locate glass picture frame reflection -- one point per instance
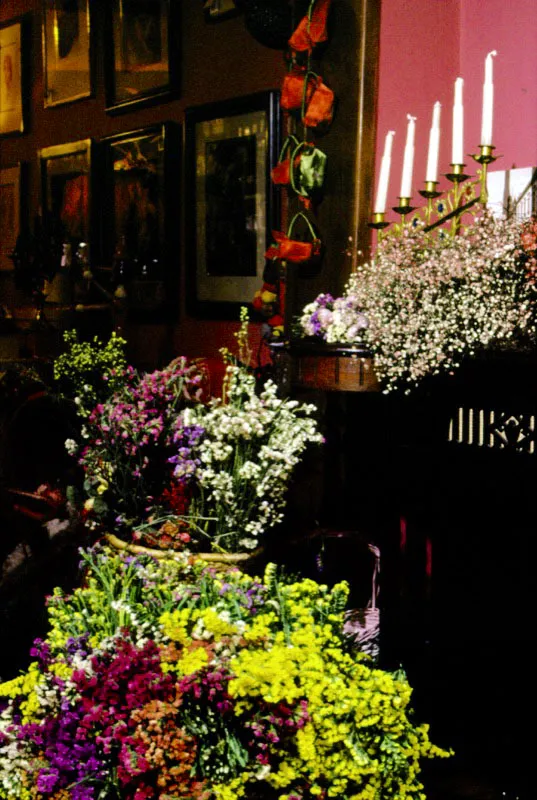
(143, 52)
(66, 51)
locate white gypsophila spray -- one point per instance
(431, 300)
(251, 445)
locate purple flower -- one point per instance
(47, 780)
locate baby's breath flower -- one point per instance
(425, 301)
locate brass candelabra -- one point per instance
(442, 207)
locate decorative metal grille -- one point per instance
(501, 430)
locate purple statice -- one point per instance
(319, 316)
(89, 739)
(325, 300)
(185, 439)
(252, 599)
(72, 758)
(77, 645)
(41, 652)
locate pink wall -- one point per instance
(424, 46)
(419, 61)
(511, 29)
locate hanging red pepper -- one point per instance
(311, 29)
(287, 249)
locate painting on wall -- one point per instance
(140, 243)
(66, 193)
(10, 213)
(143, 37)
(230, 149)
(66, 51)
(11, 100)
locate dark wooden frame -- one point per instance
(22, 34)
(75, 77)
(220, 296)
(158, 293)
(137, 94)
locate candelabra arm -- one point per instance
(454, 215)
(430, 193)
(484, 158)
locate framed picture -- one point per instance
(66, 193)
(144, 40)
(230, 150)
(140, 236)
(11, 80)
(66, 51)
(217, 10)
(10, 213)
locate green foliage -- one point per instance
(90, 372)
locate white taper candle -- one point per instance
(384, 175)
(431, 173)
(408, 160)
(488, 100)
(457, 153)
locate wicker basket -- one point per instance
(223, 561)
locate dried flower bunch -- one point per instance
(166, 466)
(157, 681)
(424, 302)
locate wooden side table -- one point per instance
(327, 367)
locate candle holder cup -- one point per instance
(486, 154)
(378, 222)
(457, 174)
(430, 193)
(404, 206)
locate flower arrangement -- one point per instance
(164, 465)
(244, 459)
(424, 302)
(167, 680)
(128, 442)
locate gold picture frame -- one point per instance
(66, 51)
(11, 102)
(10, 213)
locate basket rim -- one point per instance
(138, 549)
